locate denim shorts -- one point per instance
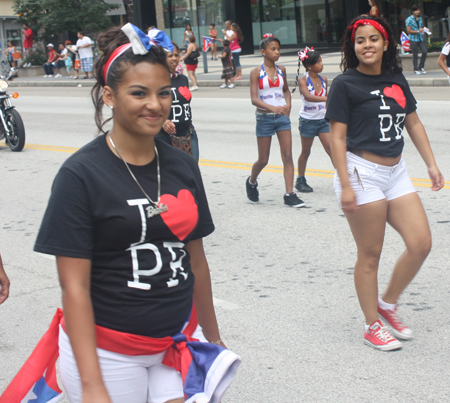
(372, 182)
(267, 124)
(312, 127)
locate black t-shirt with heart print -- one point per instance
(141, 279)
(180, 113)
(374, 108)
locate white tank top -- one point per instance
(271, 92)
(314, 110)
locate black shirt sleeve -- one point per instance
(67, 220)
(339, 103)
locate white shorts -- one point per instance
(128, 379)
(372, 182)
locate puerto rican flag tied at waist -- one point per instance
(207, 370)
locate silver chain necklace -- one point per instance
(275, 76)
(154, 208)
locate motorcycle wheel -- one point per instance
(16, 140)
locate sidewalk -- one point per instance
(331, 61)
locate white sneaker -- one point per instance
(70, 76)
(423, 71)
(195, 88)
(50, 75)
(231, 86)
(417, 72)
(223, 86)
(58, 75)
(45, 76)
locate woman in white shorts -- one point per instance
(125, 219)
(368, 106)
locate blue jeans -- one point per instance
(48, 68)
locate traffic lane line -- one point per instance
(419, 182)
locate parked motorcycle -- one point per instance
(12, 128)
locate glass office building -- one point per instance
(312, 22)
(318, 23)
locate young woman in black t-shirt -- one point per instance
(368, 106)
(178, 129)
(125, 220)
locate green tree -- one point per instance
(58, 16)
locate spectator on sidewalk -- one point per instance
(10, 53)
(227, 72)
(60, 63)
(236, 38)
(227, 31)
(53, 56)
(190, 59)
(415, 27)
(84, 45)
(27, 40)
(73, 54)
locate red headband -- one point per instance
(114, 55)
(374, 24)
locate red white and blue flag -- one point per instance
(404, 40)
(36, 380)
(207, 43)
(207, 370)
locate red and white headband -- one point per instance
(374, 24)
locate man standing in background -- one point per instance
(27, 40)
(84, 45)
(414, 26)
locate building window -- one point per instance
(278, 18)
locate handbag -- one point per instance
(77, 63)
(183, 143)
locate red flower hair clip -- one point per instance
(303, 54)
(267, 36)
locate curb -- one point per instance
(413, 82)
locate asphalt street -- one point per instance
(282, 277)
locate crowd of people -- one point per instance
(127, 212)
(77, 57)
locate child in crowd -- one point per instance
(272, 98)
(227, 73)
(312, 123)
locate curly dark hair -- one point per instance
(107, 43)
(391, 59)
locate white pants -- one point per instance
(128, 379)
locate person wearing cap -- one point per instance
(53, 56)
